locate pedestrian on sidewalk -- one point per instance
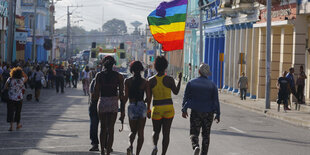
(284, 89)
(163, 110)
(94, 119)
(301, 85)
(290, 76)
(86, 80)
(50, 77)
(135, 87)
(68, 77)
(16, 88)
(243, 85)
(37, 77)
(109, 87)
(75, 76)
(201, 96)
(60, 77)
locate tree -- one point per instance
(114, 27)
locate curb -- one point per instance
(270, 114)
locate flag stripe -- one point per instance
(173, 45)
(167, 20)
(163, 37)
(171, 11)
(173, 27)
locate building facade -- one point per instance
(42, 27)
(3, 28)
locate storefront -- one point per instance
(3, 28)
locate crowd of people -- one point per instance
(109, 87)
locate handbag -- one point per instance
(5, 93)
(43, 82)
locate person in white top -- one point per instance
(86, 80)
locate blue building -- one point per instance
(214, 30)
(42, 27)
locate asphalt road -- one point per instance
(59, 124)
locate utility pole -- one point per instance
(34, 27)
(69, 50)
(268, 54)
(11, 30)
(68, 31)
(52, 30)
(201, 35)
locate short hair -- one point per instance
(161, 63)
(292, 68)
(16, 73)
(108, 62)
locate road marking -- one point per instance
(237, 129)
(42, 147)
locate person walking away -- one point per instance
(68, 77)
(85, 80)
(290, 76)
(94, 119)
(75, 76)
(243, 85)
(50, 77)
(109, 87)
(60, 75)
(135, 87)
(301, 85)
(201, 96)
(37, 77)
(162, 111)
(16, 89)
(284, 88)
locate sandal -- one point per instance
(129, 151)
(19, 126)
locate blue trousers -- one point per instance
(94, 122)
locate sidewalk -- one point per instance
(299, 118)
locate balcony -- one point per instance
(274, 2)
(243, 4)
(226, 8)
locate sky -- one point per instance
(93, 13)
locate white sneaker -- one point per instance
(196, 150)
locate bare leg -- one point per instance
(166, 134)
(103, 130)
(156, 130)
(133, 128)
(141, 125)
(111, 122)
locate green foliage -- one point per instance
(115, 27)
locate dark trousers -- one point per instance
(300, 93)
(59, 82)
(283, 97)
(94, 122)
(14, 109)
(200, 120)
(243, 92)
(74, 81)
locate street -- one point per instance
(59, 124)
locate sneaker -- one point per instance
(196, 150)
(155, 150)
(286, 108)
(94, 148)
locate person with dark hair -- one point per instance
(68, 77)
(109, 87)
(135, 87)
(16, 89)
(50, 77)
(86, 80)
(163, 110)
(290, 76)
(284, 88)
(75, 76)
(301, 85)
(60, 77)
(37, 77)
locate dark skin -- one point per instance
(137, 126)
(107, 120)
(18, 125)
(164, 124)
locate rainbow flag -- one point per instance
(167, 24)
